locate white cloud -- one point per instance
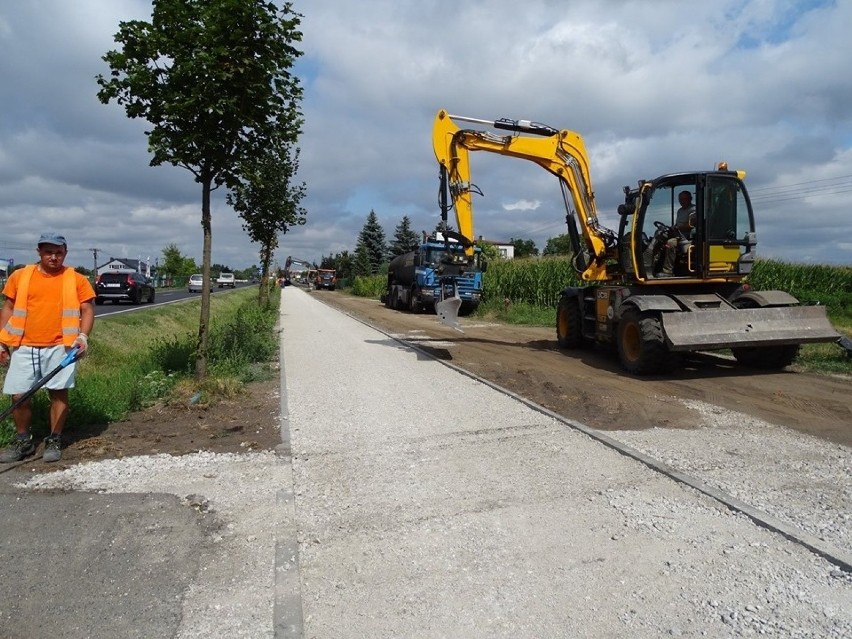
(522, 205)
(652, 86)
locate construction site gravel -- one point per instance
(518, 491)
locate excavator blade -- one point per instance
(448, 310)
(774, 326)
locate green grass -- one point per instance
(137, 359)
(516, 313)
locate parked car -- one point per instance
(196, 283)
(117, 286)
(226, 279)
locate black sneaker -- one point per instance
(52, 448)
(22, 447)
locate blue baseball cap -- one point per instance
(52, 238)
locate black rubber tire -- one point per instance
(569, 318)
(641, 344)
(151, 297)
(767, 357)
(414, 304)
(98, 301)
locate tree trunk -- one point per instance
(265, 259)
(204, 321)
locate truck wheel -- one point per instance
(641, 345)
(568, 323)
(767, 357)
(414, 304)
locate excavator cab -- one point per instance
(711, 237)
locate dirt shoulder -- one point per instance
(243, 423)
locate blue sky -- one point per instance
(653, 87)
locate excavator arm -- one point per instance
(561, 153)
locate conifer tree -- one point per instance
(372, 240)
(404, 239)
(361, 265)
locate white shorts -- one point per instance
(29, 364)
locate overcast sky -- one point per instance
(653, 87)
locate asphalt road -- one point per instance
(161, 297)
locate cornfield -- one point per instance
(801, 280)
(537, 282)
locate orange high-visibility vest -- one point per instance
(13, 332)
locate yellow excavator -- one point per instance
(673, 277)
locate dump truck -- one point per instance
(666, 282)
(325, 278)
(436, 277)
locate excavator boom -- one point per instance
(562, 153)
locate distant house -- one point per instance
(124, 264)
(506, 249)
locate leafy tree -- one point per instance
(559, 245)
(176, 264)
(213, 78)
(267, 201)
(524, 248)
(372, 240)
(489, 250)
(404, 239)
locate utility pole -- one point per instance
(95, 262)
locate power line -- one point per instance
(773, 188)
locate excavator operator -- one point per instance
(684, 224)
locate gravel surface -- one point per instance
(430, 505)
(802, 480)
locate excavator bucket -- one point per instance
(448, 310)
(772, 326)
